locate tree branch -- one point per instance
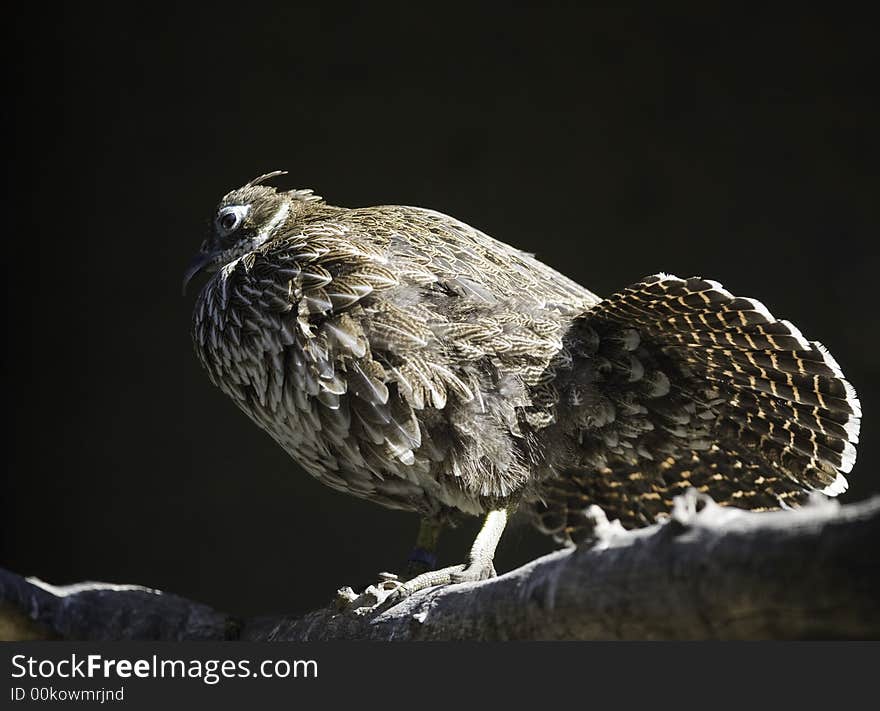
(707, 573)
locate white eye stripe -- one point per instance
(230, 218)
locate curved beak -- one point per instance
(199, 262)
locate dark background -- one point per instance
(615, 144)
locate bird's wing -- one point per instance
(469, 328)
(408, 339)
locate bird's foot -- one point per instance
(372, 598)
(479, 565)
(391, 590)
(470, 573)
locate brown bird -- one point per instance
(402, 356)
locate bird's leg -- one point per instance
(479, 565)
(424, 556)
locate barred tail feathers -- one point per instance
(781, 395)
(694, 387)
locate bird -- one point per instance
(402, 356)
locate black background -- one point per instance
(741, 146)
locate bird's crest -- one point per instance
(260, 179)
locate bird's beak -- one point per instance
(199, 262)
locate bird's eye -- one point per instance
(230, 218)
(228, 221)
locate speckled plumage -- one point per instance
(402, 356)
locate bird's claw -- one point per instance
(373, 597)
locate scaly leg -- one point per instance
(479, 565)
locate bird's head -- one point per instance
(246, 218)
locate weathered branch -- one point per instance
(707, 573)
